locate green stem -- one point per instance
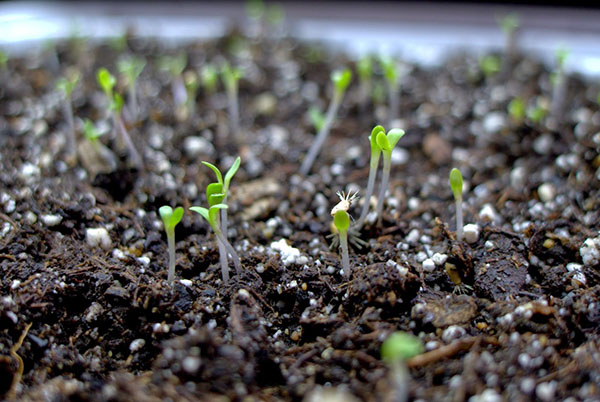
(370, 187)
(387, 167)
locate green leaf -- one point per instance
(341, 79)
(509, 23)
(364, 67)
(561, 56)
(456, 183)
(131, 67)
(169, 216)
(214, 193)
(390, 70)
(214, 169)
(255, 9)
(317, 118)
(173, 64)
(231, 172)
(373, 138)
(383, 142)
(67, 85)
(341, 220)
(117, 103)
(394, 136)
(202, 211)
(209, 76)
(516, 108)
(213, 213)
(106, 81)
(489, 64)
(401, 346)
(230, 76)
(89, 130)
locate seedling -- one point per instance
(107, 82)
(456, 184)
(364, 68)
(131, 68)
(341, 221)
(66, 85)
(215, 197)
(209, 75)
(175, 65)
(316, 117)
(191, 82)
(509, 25)
(341, 80)
(559, 84)
(395, 350)
(231, 77)
(94, 156)
(386, 142)
(225, 186)
(537, 112)
(516, 110)
(489, 65)
(170, 219)
(373, 165)
(391, 75)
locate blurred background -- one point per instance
(415, 31)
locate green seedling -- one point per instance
(373, 165)
(131, 68)
(94, 156)
(316, 117)
(231, 77)
(489, 65)
(107, 82)
(170, 217)
(392, 78)
(191, 82)
(395, 350)
(341, 221)
(516, 110)
(175, 65)
(66, 85)
(509, 25)
(538, 112)
(225, 186)
(209, 75)
(559, 84)
(386, 142)
(456, 184)
(341, 80)
(215, 197)
(364, 68)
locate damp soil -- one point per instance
(514, 314)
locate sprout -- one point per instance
(175, 65)
(107, 82)
(390, 73)
(364, 68)
(66, 86)
(316, 117)
(341, 80)
(516, 109)
(509, 25)
(395, 350)
(341, 221)
(537, 113)
(386, 142)
(456, 184)
(209, 76)
(373, 164)
(230, 77)
(225, 186)
(131, 68)
(489, 65)
(191, 82)
(170, 219)
(94, 156)
(559, 84)
(215, 197)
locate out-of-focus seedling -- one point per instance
(191, 81)
(386, 142)
(170, 217)
(559, 84)
(373, 165)
(536, 113)
(509, 25)
(341, 80)
(392, 78)
(209, 76)
(225, 186)
(341, 221)
(95, 157)
(175, 65)
(316, 117)
(489, 65)
(231, 77)
(66, 85)
(395, 350)
(107, 82)
(364, 68)
(516, 110)
(456, 184)
(131, 68)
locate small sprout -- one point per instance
(387, 143)
(94, 156)
(391, 75)
(106, 81)
(400, 346)
(255, 9)
(538, 112)
(456, 184)
(131, 68)
(209, 75)
(175, 65)
(316, 117)
(341, 221)
(191, 82)
(341, 80)
(559, 84)
(509, 25)
(90, 131)
(231, 77)
(224, 186)
(66, 85)
(489, 65)
(516, 109)
(170, 219)
(373, 165)
(364, 68)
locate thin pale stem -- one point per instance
(558, 94)
(394, 103)
(370, 187)
(399, 377)
(322, 135)
(365, 94)
(133, 104)
(171, 244)
(234, 256)
(345, 257)
(459, 219)
(223, 260)
(234, 114)
(71, 141)
(178, 90)
(387, 167)
(134, 156)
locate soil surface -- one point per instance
(513, 314)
